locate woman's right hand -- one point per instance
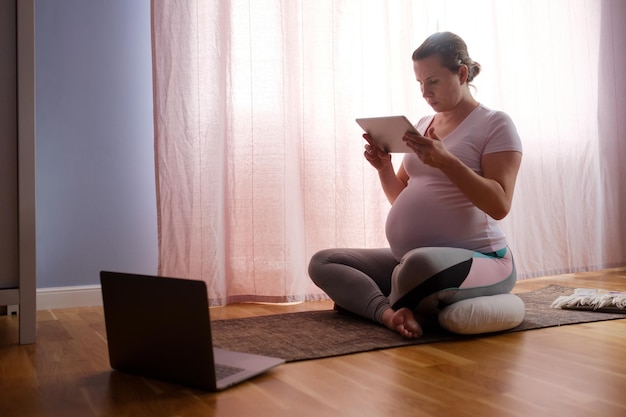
(374, 155)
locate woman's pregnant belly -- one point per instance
(433, 215)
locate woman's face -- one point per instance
(441, 88)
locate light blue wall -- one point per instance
(96, 200)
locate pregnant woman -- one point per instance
(454, 184)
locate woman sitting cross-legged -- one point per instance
(455, 182)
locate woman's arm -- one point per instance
(391, 182)
(492, 192)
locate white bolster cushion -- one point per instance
(492, 313)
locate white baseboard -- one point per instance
(69, 297)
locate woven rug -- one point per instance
(319, 334)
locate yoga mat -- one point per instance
(320, 334)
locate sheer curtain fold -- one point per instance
(259, 161)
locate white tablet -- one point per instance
(387, 132)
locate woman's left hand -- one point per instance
(430, 150)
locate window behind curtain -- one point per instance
(259, 160)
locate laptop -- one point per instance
(159, 327)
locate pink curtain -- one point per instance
(259, 160)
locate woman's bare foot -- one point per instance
(403, 321)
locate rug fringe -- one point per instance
(592, 299)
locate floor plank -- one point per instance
(577, 370)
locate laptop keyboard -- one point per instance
(223, 371)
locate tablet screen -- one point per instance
(387, 132)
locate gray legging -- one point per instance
(368, 281)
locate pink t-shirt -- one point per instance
(431, 210)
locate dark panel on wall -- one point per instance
(8, 147)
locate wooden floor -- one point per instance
(577, 370)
